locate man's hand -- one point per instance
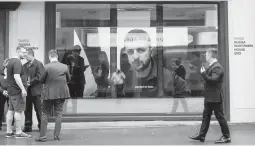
(5, 93)
(28, 83)
(24, 93)
(202, 69)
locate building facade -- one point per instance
(146, 40)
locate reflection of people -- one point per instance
(118, 78)
(77, 68)
(180, 70)
(137, 45)
(55, 91)
(180, 92)
(3, 91)
(33, 70)
(17, 93)
(213, 93)
(101, 74)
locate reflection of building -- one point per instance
(52, 25)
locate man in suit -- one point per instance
(54, 93)
(33, 71)
(214, 98)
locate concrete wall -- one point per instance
(242, 67)
(27, 23)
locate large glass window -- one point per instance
(149, 43)
(2, 36)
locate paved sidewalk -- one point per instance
(130, 133)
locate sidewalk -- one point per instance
(136, 133)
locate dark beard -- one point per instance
(144, 67)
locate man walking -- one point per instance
(214, 98)
(33, 70)
(17, 93)
(55, 91)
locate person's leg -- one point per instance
(9, 117)
(2, 103)
(28, 113)
(219, 114)
(207, 113)
(184, 104)
(37, 106)
(19, 108)
(58, 107)
(46, 110)
(175, 104)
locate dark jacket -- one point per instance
(213, 77)
(55, 80)
(35, 71)
(76, 71)
(180, 86)
(3, 83)
(181, 72)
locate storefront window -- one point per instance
(189, 31)
(96, 40)
(2, 36)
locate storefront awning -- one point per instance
(9, 6)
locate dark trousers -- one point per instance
(2, 103)
(3, 100)
(119, 90)
(76, 90)
(46, 111)
(217, 107)
(30, 101)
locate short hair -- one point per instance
(30, 51)
(213, 52)
(20, 47)
(77, 49)
(137, 31)
(53, 53)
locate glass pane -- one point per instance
(2, 37)
(136, 40)
(189, 31)
(83, 44)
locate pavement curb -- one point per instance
(131, 124)
(135, 124)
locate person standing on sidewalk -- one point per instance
(214, 98)
(17, 93)
(54, 93)
(33, 71)
(3, 91)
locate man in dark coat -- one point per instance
(55, 91)
(33, 71)
(77, 68)
(214, 98)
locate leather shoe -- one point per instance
(223, 139)
(41, 139)
(56, 138)
(27, 129)
(198, 137)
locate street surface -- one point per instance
(241, 134)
